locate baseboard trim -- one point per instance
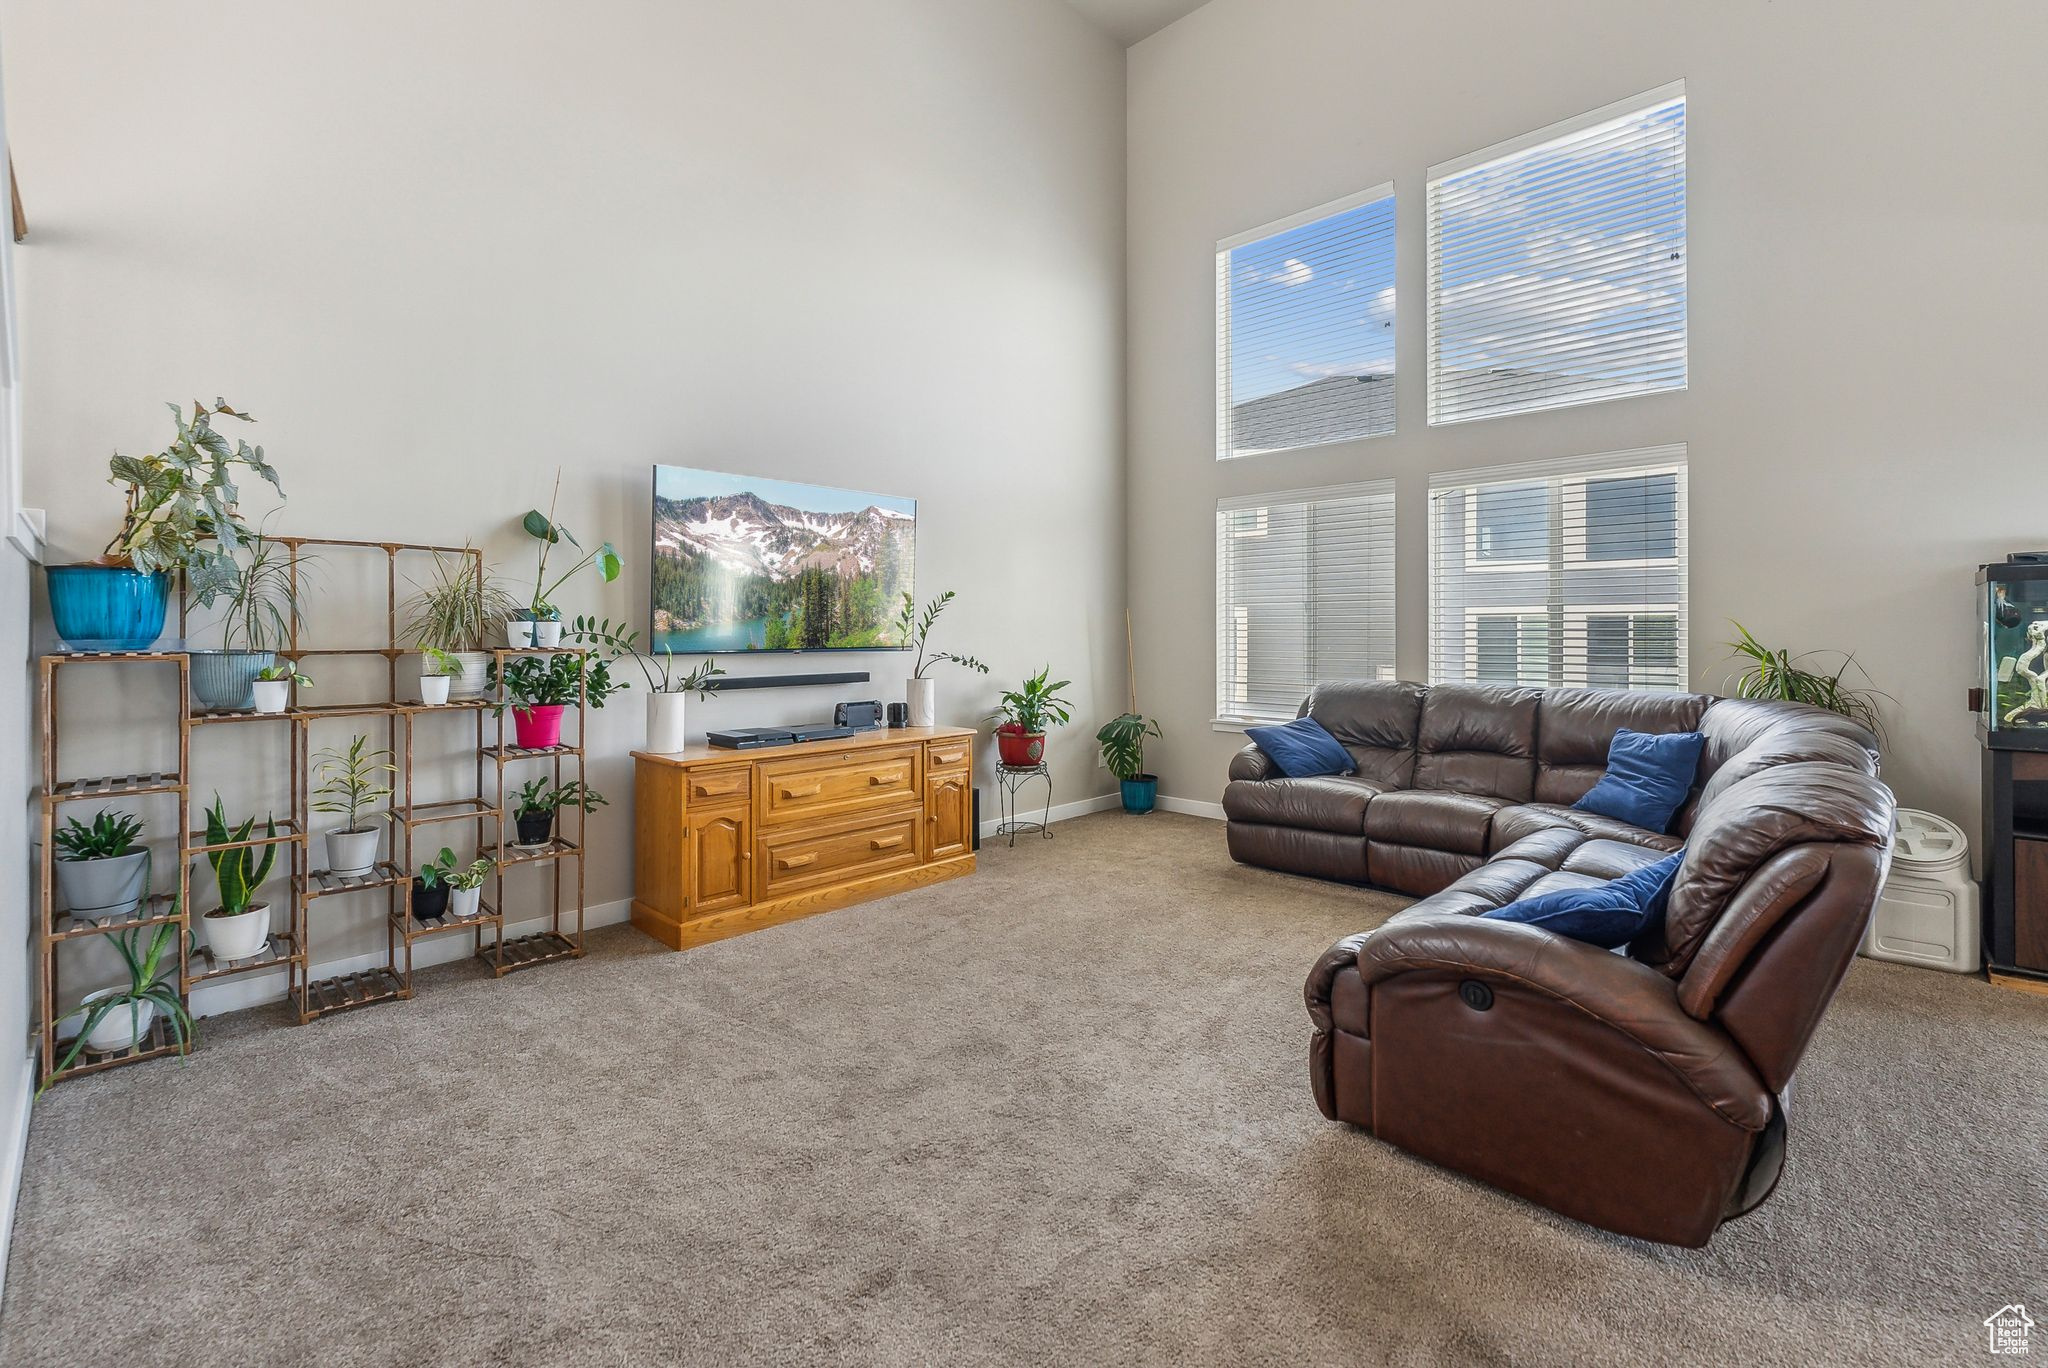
(254, 990)
(1101, 802)
(14, 1160)
(1192, 807)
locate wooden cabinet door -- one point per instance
(720, 861)
(948, 813)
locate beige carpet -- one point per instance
(1056, 1113)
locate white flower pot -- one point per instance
(465, 902)
(352, 852)
(434, 689)
(518, 633)
(240, 936)
(922, 697)
(548, 634)
(104, 890)
(476, 668)
(120, 1028)
(665, 722)
(272, 694)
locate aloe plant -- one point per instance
(241, 870)
(146, 985)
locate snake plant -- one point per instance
(241, 870)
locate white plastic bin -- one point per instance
(1927, 913)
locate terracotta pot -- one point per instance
(1015, 746)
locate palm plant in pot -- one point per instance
(114, 1020)
(535, 804)
(539, 688)
(1123, 749)
(459, 612)
(183, 514)
(444, 890)
(914, 629)
(259, 594)
(540, 622)
(351, 784)
(102, 868)
(240, 926)
(666, 690)
(273, 686)
(1025, 714)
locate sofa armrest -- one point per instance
(1628, 997)
(1251, 763)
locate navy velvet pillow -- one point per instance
(1613, 914)
(1648, 776)
(1302, 748)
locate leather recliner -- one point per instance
(1643, 1092)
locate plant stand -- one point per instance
(1011, 778)
(555, 943)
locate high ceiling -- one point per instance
(1131, 20)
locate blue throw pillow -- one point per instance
(1648, 776)
(1613, 914)
(1302, 748)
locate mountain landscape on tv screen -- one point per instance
(791, 567)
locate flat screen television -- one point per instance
(741, 563)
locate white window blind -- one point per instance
(1557, 265)
(1304, 594)
(1561, 573)
(1305, 329)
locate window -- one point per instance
(1561, 573)
(1557, 265)
(1304, 594)
(1305, 329)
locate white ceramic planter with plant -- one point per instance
(458, 613)
(113, 1020)
(914, 630)
(350, 785)
(438, 672)
(465, 885)
(102, 868)
(273, 686)
(667, 691)
(240, 926)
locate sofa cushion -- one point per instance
(1478, 738)
(1574, 728)
(1453, 822)
(1513, 824)
(1648, 777)
(1605, 859)
(1376, 722)
(1328, 802)
(1301, 748)
(1611, 915)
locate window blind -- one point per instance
(1305, 329)
(1304, 594)
(1556, 265)
(1561, 573)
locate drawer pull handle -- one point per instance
(877, 780)
(811, 792)
(948, 757)
(795, 861)
(881, 844)
(713, 791)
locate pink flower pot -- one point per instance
(538, 727)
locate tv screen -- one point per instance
(746, 564)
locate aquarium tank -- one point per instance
(2012, 658)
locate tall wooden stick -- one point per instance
(1130, 661)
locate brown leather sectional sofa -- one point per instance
(1641, 1092)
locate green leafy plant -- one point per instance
(149, 983)
(537, 796)
(183, 503)
(438, 663)
(543, 528)
(351, 781)
(1780, 675)
(240, 870)
(285, 671)
(460, 609)
(444, 870)
(111, 834)
(1123, 744)
(551, 679)
(258, 593)
(915, 630)
(659, 674)
(1036, 706)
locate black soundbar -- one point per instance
(730, 682)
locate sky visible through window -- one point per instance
(1313, 302)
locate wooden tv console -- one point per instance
(728, 841)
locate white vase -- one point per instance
(548, 634)
(665, 722)
(120, 1028)
(518, 633)
(433, 690)
(464, 903)
(240, 936)
(350, 853)
(922, 697)
(272, 694)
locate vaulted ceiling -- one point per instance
(1131, 20)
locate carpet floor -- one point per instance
(1055, 1113)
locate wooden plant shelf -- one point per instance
(412, 928)
(455, 810)
(114, 786)
(156, 1042)
(556, 849)
(527, 952)
(203, 719)
(157, 911)
(506, 754)
(280, 952)
(288, 829)
(346, 991)
(322, 883)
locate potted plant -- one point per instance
(666, 691)
(1026, 714)
(448, 891)
(540, 622)
(260, 613)
(1123, 750)
(102, 869)
(914, 629)
(114, 1020)
(438, 671)
(1778, 674)
(350, 786)
(273, 686)
(458, 613)
(539, 688)
(534, 806)
(182, 514)
(240, 926)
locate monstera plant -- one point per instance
(540, 623)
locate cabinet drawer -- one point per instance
(949, 755)
(830, 785)
(711, 787)
(835, 852)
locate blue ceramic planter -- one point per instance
(225, 681)
(1140, 793)
(107, 608)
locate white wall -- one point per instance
(1866, 291)
(440, 250)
